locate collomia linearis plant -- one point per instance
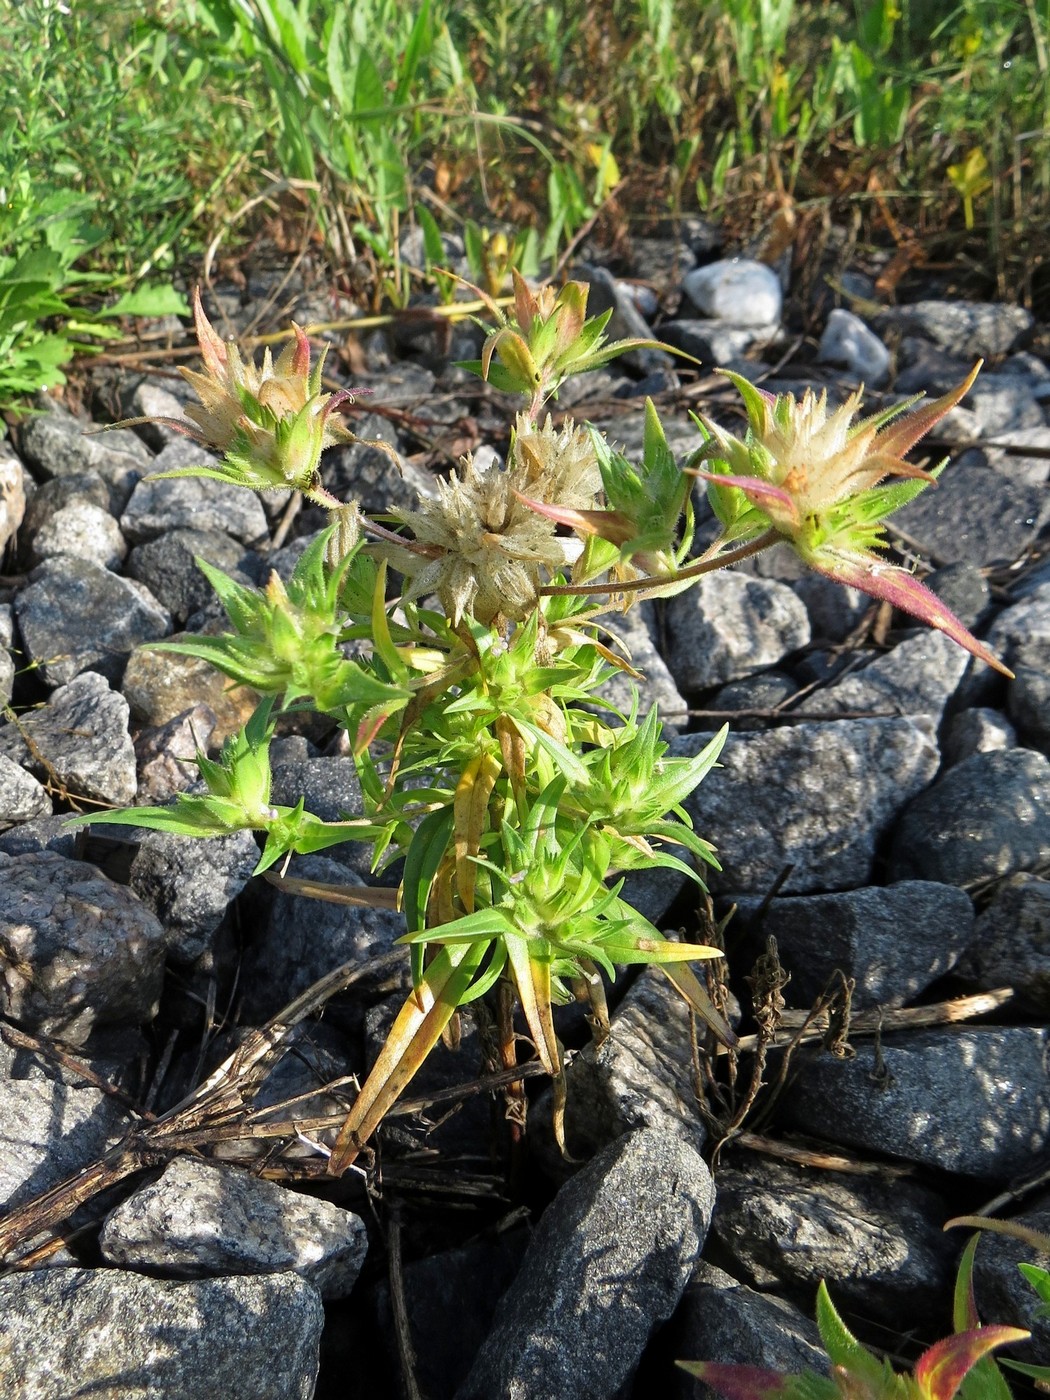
(517, 797)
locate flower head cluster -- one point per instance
(816, 478)
(481, 547)
(269, 422)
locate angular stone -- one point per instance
(305, 938)
(819, 797)
(12, 496)
(986, 817)
(160, 685)
(1029, 704)
(165, 755)
(200, 1220)
(79, 949)
(848, 341)
(57, 444)
(191, 503)
(79, 741)
(918, 677)
(1021, 633)
(723, 1320)
(1011, 944)
(76, 616)
(966, 328)
(606, 1265)
(974, 514)
(107, 1333)
(879, 1242)
(979, 730)
(973, 1100)
(168, 567)
(50, 1131)
(1003, 1293)
(640, 1076)
(189, 884)
(84, 531)
(730, 625)
(893, 940)
(22, 798)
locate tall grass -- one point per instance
(135, 130)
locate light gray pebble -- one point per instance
(107, 1332)
(80, 949)
(202, 1220)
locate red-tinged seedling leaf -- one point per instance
(212, 346)
(900, 437)
(738, 1382)
(760, 493)
(940, 1371)
(895, 585)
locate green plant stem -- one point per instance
(705, 565)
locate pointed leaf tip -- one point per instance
(941, 1369)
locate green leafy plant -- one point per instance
(966, 1308)
(858, 1374)
(518, 798)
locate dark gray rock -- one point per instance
(1004, 1295)
(661, 262)
(22, 798)
(66, 1332)
(974, 514)
(1004, 403)
(332, 792)
(1028, 700)
(1005, 453)
(893, 940)
(721, 343)
(975, 1101)
(75, 616)
(189, 884)
(979, 730)
(607, 1263)
(819, 797)
(917, 677)
(967, 329)
(305, 938)
(964, 588)
(47, 833)
(79, 741)
(730, 625)
(373, 477)
(1011, 944)
(451, 1299)
(986, 817)
(878, 1241)
(722, 1320)
(640, 1076)
(201, 1220)
(1021, 633)
(50, 1131)
(57, 444)
(762, 692)
(167, 566)
(78, 949)
(634, 630)
(191, 503)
